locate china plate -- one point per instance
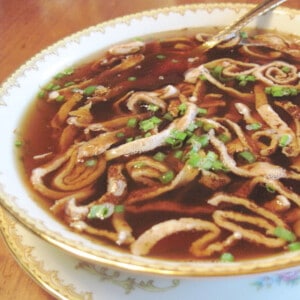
(18, 91)
(68, 278)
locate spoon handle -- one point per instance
(231, 30)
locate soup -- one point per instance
(167, 152)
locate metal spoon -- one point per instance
(231, 30)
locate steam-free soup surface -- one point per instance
(160, 150)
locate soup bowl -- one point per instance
(16, 95)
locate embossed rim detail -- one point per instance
(103, 255)
(35, 268)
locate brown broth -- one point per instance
(161, 66)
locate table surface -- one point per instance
(26, 27)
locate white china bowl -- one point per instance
(19, 90)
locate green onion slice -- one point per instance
(152, 107)
(244, 79)
(91, 162)
(160, 56)
(60, 98)
(88, 91)
(132, 122)
(18, 143)
(41, 94)
(160, 156)
(295, 246)
(248, 156)
(167, 177)
(284, 140)
(120, 135)
(132, 78)
(178, 154)
(227, 257)
(253, 126)
(284, 234)
(202, 111)
(167, 116)
(149, 124)
(119, 208)
(224, 138)
(101, 211)
(182, 108)
(281, 91)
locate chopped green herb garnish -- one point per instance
(224, 138)
(198, 142)
(253, 126)
(167, 177)
(286, 69)
(248, 156)
(294, 246)
(120, 135)
(217, 73)
(68, 71)
(132, 122)
(139, 39)
(179, 135)
(244, 79)
(101, 211)
(167, 116)
(160, 156)
(210, 159)
(202, 77)
(88, 91)
(284, 140)
(270, 189)
(41, 94)
(59, 75)
(206, 162)
(18, 143)
(194, 160)
(91, 162)
(281, 91)
(243, 35)
(192, 127)
(139, 165)
(55, 87)
(132, 78)
(227, 257)
(69, 83)
(49, 86)
(149, 124)
(182, 108)
(217, 165)
(119, 208)
(202, 111)
(160, 56)
(199, 123)
(176, 144)
(60, 98)
(176, 138)
(152, 107)
(285, 234)
(207, 127)
(178, 154)
(130, 139)
(212, 156)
